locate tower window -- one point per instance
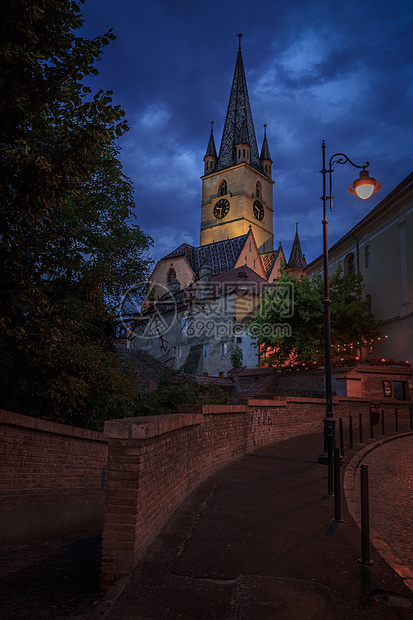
(258, 191)
(171, 275)
(222, 190)
(243, 153)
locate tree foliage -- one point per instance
(176, 389)
(351, 321)
(69, 246)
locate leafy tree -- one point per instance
(303, 341)
(69, 246)
(176, 389)
(236, 357)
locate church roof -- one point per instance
(221, 256)
(238, 127)
(211, 150)
(297, 258)
(265, 151)
(268, 260)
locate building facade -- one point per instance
(380, 247)
(236, 237)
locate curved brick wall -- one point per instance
(50, 478)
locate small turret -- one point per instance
(296, 262)
(265, 157)
(243, 146)
(210, 158)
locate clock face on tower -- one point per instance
(258, 210)
(221, 208)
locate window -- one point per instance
(224, 349)
(239, 339)
(171, 275)
(349, 264)
(367, 256)
(178, 353)
(185, 320)
(206, 351)
(222, 190)
(243, 153)
(258, 192)
(399, 388)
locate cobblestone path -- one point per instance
(51, 580)
(391, 495)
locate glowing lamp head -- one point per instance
(364, 186)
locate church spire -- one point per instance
(210, 158)
(297, 260)
(239, 126)
(265, 157)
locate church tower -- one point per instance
(237, 184)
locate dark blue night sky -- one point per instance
(339, 72)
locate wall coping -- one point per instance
(45, 426)
(146, 427)
(212, 409)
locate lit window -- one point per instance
(367, 256)
(224, 349)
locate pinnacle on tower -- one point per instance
(211, 153)
(265, 157)
(297, 260)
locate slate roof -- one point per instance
(221, 256)
(297, 259)
(265, 151)
(239, 126)
(211, 150)
(268, 260)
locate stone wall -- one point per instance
(155, 462)
(52, 478)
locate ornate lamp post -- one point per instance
(364, 187)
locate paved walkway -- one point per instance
(257, 542)
(254, 542)
(52, 579)
(390, 467)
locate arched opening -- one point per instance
(258, 190)
(171, 275)
(349, 264)
(222, 190)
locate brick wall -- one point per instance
(50, 478)
(155, 462)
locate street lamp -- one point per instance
(364, 187)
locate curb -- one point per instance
(350, 485)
